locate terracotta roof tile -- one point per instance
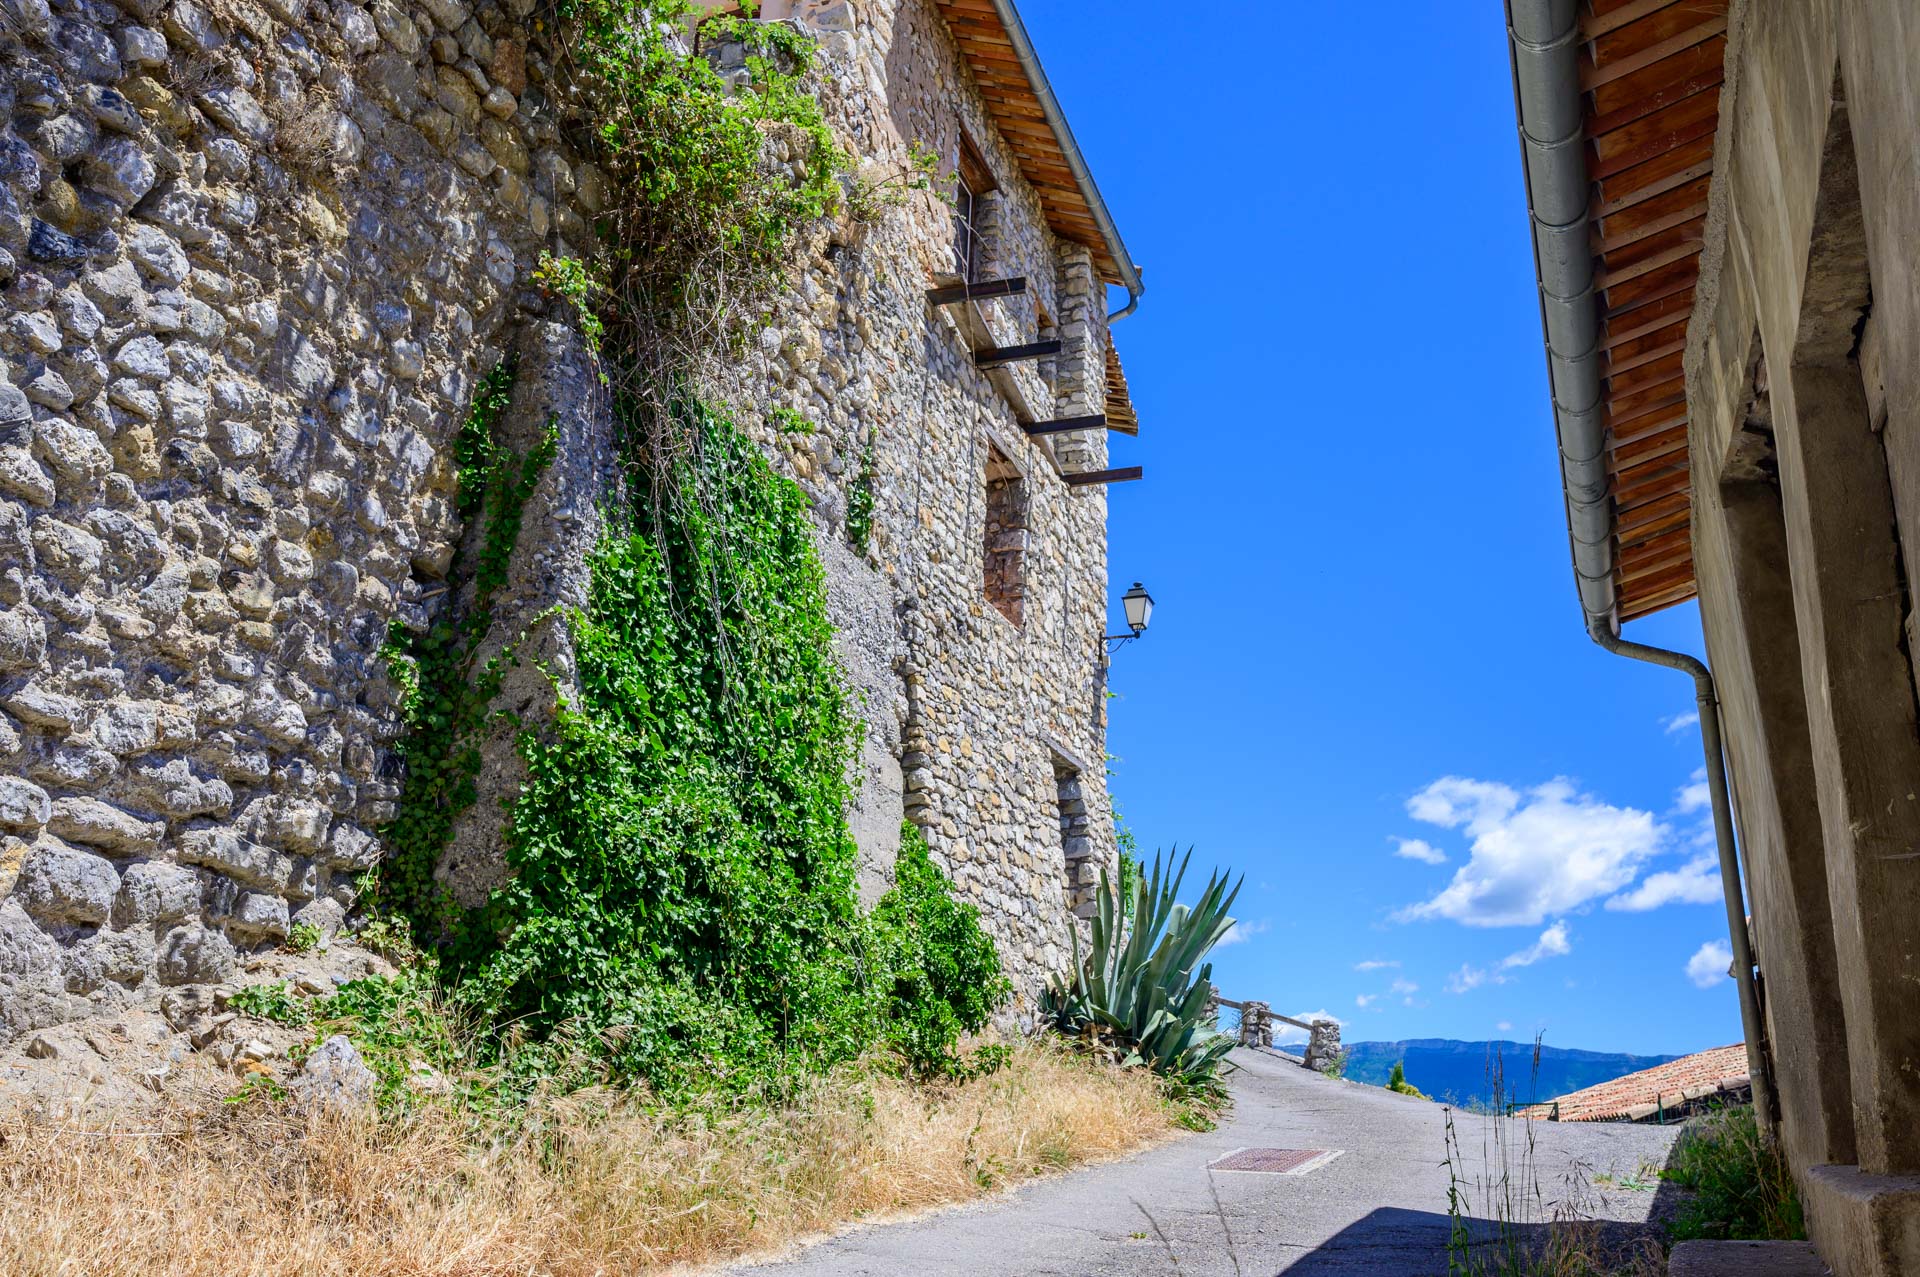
(1690, 1076)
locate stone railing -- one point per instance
(1256, 1029)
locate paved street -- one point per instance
(1378, 1207)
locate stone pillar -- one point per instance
(1323, 1045)
(1747, 614)
(1256, 1024)
(1866, 743)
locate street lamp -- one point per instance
(1139, 607)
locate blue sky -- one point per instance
(1352, 524)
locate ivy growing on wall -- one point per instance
(682, 891)
(443, 697)
(682, 863)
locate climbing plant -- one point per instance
(682, 889)
(682, 866)
(934, 965)
(444, 697)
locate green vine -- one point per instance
(443, 701)
(687, 149)
(682, 893)
(860, 498)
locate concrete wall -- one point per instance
(1804, 383)
(253, 259)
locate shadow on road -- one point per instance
(1393, 1240)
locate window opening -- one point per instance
(973, 182)
(1006, 536)
(1076, 842)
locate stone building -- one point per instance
(255, 256)
(1725, 213)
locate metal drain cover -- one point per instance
(1275, 1161)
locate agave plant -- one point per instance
(1142, 988)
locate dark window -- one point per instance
(973, 181)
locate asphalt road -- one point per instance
(1378, 1207)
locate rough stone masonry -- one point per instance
(254, 258)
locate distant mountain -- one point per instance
(1464, 1072)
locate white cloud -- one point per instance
(1374, 964)
(1285, 1033)
(1553, 943)
(1424, 852)
(1366, 1000)
(1469, 977)
(1505, 1026)
(1695, 796)
(1708, 966)
(1695, 883)
(1681, 722)
(1453, 801)
(1534, 856)
(1405, 987)
(1240, 932)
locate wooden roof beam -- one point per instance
(1095, 478)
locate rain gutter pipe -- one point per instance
(1076, 163)
(1544, 45)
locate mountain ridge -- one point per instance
(1466, 1072)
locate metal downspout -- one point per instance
(1076, 163)
(1759, 1056)
(1544, 47)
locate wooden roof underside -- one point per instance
(1120, 413)
(1651, 75)
(1016, 112)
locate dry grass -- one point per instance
(589, 1185)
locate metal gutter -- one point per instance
(1544, 43)
(1544, 48)
(1076, 163)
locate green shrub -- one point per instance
(1741, 1188)
(938, 967)
(1397, 1081)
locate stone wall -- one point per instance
(253, 260)
(982, 706)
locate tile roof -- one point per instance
(1015, 101)
(1642, 1094)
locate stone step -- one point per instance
(1746, 1259)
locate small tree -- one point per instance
(1397, 1081)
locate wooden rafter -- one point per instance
(1016, 111)
(1652, 75)
(1121, 474)
(1120, 414)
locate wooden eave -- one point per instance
(1651, 76)
(1014, 106)
(1120, 414)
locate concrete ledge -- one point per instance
(1866, 1225)
(1745, 1259)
